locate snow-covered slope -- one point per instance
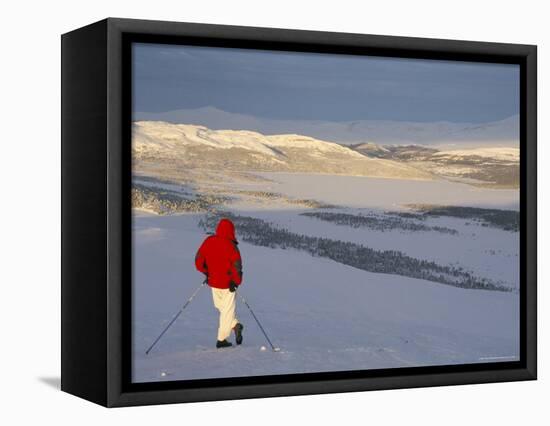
(503, 133)
(167, 145)
(325, 316)
(508, 154)
(496, 166)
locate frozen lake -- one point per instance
(358, 191)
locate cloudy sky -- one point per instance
(306, 86)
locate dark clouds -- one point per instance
(307, 86)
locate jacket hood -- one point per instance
(226, 229)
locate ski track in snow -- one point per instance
(324, 316)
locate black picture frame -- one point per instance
(96, 211)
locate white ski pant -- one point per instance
(225, 303)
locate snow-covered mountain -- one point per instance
(491, 166)
(503, 154)
(192, 146)
(499, 133)
(395, 152)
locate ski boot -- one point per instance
(238, 329)
(223, 344)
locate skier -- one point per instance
(220, 260)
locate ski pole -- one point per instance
(175, 317)
(275, 349)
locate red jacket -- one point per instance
(219, 258)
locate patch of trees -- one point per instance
(406, 215)
(277, 197)
(163, 201)
(508, 220)
(265, 234)
(378, 223)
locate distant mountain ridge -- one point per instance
(165, 145)
(498, 133)
(162, 145)
(496, 167)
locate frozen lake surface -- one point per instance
(358, 191)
